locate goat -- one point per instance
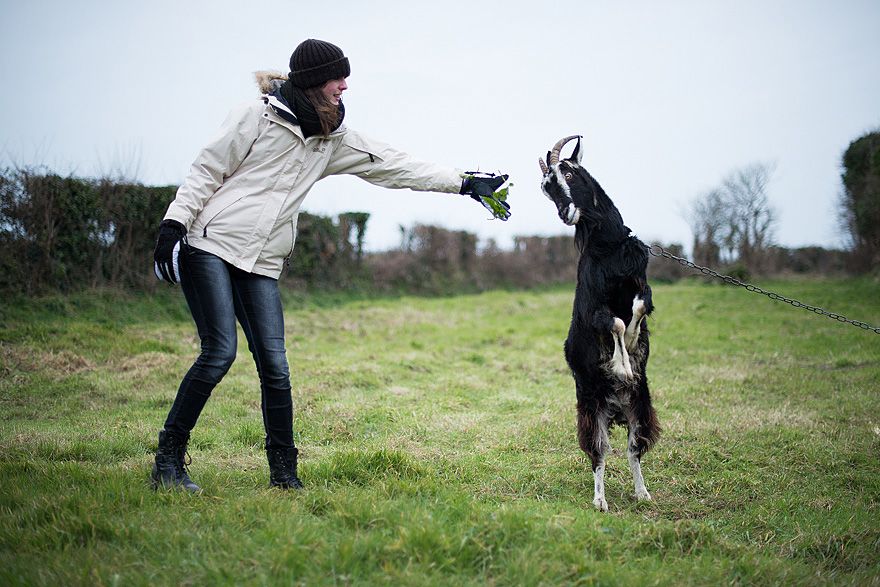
(607, 345)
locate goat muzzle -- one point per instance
(554, 152)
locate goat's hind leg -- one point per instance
(593, 437)
(644, 430)
(598, 462)
(633, 455)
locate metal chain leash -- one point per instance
(659, 251)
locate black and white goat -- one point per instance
(607, 345)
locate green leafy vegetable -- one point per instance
(497, 203)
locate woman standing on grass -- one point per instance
(232, 226)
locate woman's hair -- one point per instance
(328, 112)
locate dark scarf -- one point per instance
(305, 113)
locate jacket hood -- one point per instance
(269, 81)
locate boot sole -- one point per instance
(286, 486)
(160, 485)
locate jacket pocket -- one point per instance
(219, 212)
(293, 222)
(353, 141)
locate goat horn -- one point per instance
(554, 152)
(543, 165)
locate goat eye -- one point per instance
(567, 176)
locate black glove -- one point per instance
(482, 187)
(171, 232)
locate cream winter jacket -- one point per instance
(244, 190)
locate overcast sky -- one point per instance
(670, 96)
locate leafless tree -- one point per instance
(706, 217)
(734, 222)
(751, 218)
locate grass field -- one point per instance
(438, 446)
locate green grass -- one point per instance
(438, 446)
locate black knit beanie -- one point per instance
(315, 62)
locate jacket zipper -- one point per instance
(292, 244)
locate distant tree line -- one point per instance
(733, 224)
(62, 233)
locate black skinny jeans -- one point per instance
(217, 294)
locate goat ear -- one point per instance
(548, 158)
(576, 154)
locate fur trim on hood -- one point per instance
(269, 81)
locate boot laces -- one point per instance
(182, 461)
(285, 464)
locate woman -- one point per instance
(235, 216)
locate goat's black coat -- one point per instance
(611, 273)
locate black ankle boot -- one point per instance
(169, 470)
(282, 468)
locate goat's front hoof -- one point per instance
(643, 495)
(622, 373)
(600, 504)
